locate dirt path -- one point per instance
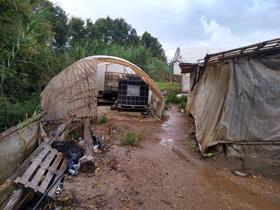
(167, 172)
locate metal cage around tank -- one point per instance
(133, 92)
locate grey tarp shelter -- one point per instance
(235, 100)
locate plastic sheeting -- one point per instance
(73, 92)
(256, 151)
(206, 103)
(16, 147)
(16, 144)
(239, 103)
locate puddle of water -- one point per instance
(166, 142)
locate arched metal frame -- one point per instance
(70, 93)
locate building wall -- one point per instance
(185, 83)
(176, 69)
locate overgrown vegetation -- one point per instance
(172, 98)
(103, 119)
(131, 139)
(175, 86)
(183, 102)
(72, 136)
(38, 40)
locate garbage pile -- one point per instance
(74, 151)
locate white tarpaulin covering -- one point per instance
(239, 103)
(73, 92)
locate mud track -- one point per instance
(166, 172)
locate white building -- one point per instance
(189, 55)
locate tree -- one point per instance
(58, 20)
(24, 40)
(115, 31)
(153, 45)
(76, 30)
(37, 41)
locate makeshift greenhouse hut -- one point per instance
(27, 157)
(235, 100)
(73, 92)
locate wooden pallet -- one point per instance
(131, 107)
(43, 170)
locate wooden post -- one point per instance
(87, 161)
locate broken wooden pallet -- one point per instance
(44, 169)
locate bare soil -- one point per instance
(166, 171)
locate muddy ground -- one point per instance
(165, 171)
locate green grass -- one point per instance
(130, 139)
(183, 102)
(172, 98)
(169, 85)
(103, 119)
(72, 136)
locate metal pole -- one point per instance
(44, 195)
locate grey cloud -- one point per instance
(179, 22)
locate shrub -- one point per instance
(14, 113)
(130, 138)
(183, 102)
(103, 119)
(175, 86)
(172, 98)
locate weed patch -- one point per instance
(131, 139)
(169, 86)
(103, 119)
(172, 98)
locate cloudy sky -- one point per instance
(220, 24)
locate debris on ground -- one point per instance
(73, 151)
(167, 165)
(208, 155)
(97, 142)
(66, 198)
(59, 189)
(155, 171)
(240, 173)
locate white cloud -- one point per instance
(187, 23)
(262, 5)
(218, 35)
(160, 18)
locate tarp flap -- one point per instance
(238, 103)
(266, 152)
(252, 108)
(206, 102)
(15, 148)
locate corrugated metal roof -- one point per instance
(270, 46)
(187, 67)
